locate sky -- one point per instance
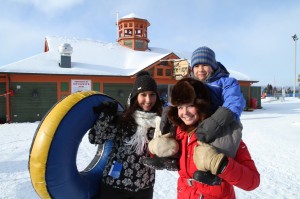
(252, 37)
(271, 134)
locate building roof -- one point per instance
(89, 57)
(93, 57)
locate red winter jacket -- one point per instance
(240, 171)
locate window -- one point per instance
(128, 43)
(159, 72)
(128, 32)
(138, 32)
(96, 86)
(168, 72)
(64, 87)
(139, 44)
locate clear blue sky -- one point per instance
(252, 37)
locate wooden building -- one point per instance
(30, 87)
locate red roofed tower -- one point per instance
(133, 32)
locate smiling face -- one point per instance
(188, 114)
(146, 100)
(202, 72)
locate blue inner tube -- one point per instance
(62, 178)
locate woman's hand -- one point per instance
(206, 158)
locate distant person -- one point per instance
(191, 103)
(124, 175)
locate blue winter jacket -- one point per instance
(226, 91)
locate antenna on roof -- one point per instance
(117, 23)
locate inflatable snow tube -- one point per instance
(52, 159)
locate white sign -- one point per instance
(80, 85)
(180, 69)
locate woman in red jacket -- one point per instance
(189, 107)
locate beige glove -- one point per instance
(163, 146)
(206, 158)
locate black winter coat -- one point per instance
(134, 176)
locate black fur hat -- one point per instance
(187, 90)
(143, 82)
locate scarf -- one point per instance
(144, 120)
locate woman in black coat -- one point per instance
(124, 175)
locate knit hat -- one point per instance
(204, 55)
(143, 82)
(187, 90)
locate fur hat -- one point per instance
(187, 90)
(192, 91)
(204, 55)
(143, 82)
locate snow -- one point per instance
(94, 57)
(271, 134)
(89, 57)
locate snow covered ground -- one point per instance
(271, 133)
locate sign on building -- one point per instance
(181, 69)
(80, 85)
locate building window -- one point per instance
(64, 86)
(139, 44)
(96, 86)
(127, 32)
(128, 43)
(138, 32)
(168, 72)
(159, 72)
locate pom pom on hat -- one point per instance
(143, 82)
(204, 55)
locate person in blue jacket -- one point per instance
(227, 105)
(225, 90)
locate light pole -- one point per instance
(295, 38)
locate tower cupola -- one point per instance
(132, 32)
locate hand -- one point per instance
(211, 127)
(166, 125)
(163, 146)
(107, 107)
(92, 136)
(206, 158)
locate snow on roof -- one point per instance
(240, 76)
(93, 57)
(89, 57)
(131, 15)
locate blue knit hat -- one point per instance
(204, 55)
